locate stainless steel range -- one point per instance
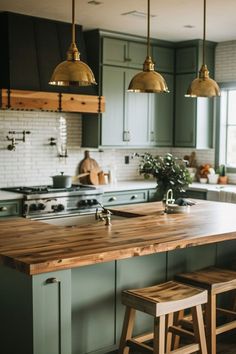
(46, 202)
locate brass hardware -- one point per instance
(148, 80)
(203, 85)
(3, 208)
(53, 142)
(104, 215)
(152, 136)
(126, 135)
(52, 281)
(73, 71)
(112, 199)
(134, 196)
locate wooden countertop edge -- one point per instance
(114, 255)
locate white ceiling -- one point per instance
(168, 24)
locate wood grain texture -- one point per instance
(34, 247)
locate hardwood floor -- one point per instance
(225, 345)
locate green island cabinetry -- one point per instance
(193, 116)
(79, 310)
(130, 119)
(10, 208)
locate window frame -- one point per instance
(219, 160)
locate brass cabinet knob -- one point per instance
(52, 281)
(3, 208)
(112, 199)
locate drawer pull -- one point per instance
(52, 281)
(134, 196)
(3, 208)
(112, 199)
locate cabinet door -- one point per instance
(161, 126)
(113, 118)
(164, 59)
(52, 312)
(136, 114)
(115, 52)
(185, 113)
(10, 208)
(129, 197)
(137, 54)
(186, 60)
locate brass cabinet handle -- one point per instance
(52, 281)
(134, 196)
(4, 208)
(112, 199)
(152, 136)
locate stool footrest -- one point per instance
(226, 312)
(226, 327)
(187, 349)
(181, 332)
(144, 337)
(137, 345)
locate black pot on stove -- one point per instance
(61, 181)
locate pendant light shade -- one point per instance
(72, 72)
(203, 85)
(148, 80)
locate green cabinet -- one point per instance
(193, 116)
(35, 312)
(126, 116)
(125, 197)
(164, 59)
(125, 53)
(137, 120)
(10, 208)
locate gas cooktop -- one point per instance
(48, 189)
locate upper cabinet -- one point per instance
(193, 116)
(130, 119)
(33, 47)
(120, 52)
(164, 59)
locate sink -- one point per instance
(78, 220)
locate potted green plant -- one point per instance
(170, 173)
(223, 179)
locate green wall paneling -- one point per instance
(190, 259)
(93, 308)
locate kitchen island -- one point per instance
(60, 287)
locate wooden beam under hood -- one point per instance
(50, 101)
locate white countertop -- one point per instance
(129, 185)
(4, 195)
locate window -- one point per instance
(227, 131)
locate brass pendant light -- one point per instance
(148, 80)
(72, 72)
(203, 85)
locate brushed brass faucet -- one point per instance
(103, 215)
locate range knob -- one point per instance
(41, 206)
(83, 202)
(60, 207)
(33, 207)
(95, 202)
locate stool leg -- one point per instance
(211, 323)
(127, 330)
(178, 316)
(170, 320)
(198, 328)
(159, 335)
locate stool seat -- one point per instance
(216, 281)
(213, 279)
(161, 302)
(164, 298)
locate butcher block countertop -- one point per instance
(34, 247)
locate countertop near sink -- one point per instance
(34, 247)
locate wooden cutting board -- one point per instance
(89, 165)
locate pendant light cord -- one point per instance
(148, 28)
(204, 32)
(73, 21)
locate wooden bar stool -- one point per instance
(216, 281)
(162, 301)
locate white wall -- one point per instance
(33, 162)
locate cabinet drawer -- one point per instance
(10, 208)
(137, 196)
